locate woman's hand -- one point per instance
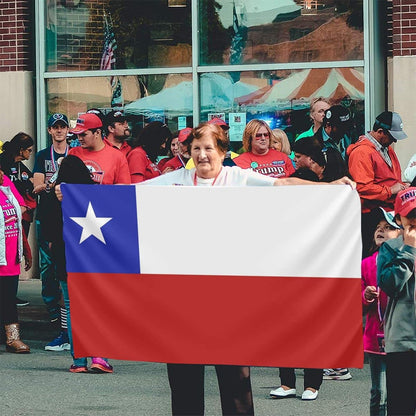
(28, 262)
(39, 188)
(345, 181)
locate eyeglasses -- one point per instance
(260, 135)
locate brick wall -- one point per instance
(76, 41)
(404, 27)
(16, 35)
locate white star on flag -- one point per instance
(91, 225)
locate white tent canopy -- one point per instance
(217, 94)
(255, 12)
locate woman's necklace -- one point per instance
(213, 182)
(55, 163)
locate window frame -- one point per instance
(374, 73)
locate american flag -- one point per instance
(237, 45)
(108, 61)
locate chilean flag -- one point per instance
(261, 276)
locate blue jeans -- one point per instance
(378, 398)
(51, 292)
(80, 362)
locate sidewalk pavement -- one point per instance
(34, 318)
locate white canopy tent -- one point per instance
(217, 94)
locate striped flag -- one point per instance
(237, 45)
(252, 276)
(108, 61)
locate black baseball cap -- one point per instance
(338, 115)
(114, 116)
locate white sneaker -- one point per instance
(309, 395)
(281, 393)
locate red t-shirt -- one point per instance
(108, 165)
(175, 163)
(162, 163)
(125, 147)
(274, 164)
(141, 167)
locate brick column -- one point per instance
(404, 27)
(15, 35)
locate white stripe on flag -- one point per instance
(304, 231)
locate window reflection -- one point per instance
(251, 31)
(145, 98)
(283, 98)
(149, 33)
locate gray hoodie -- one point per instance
(396, 277)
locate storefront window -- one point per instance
(282, 98)
(146, 34)
(151, 38)
(145, 98)
(267, 31)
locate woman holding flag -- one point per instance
(208, 145)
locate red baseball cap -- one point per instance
(220, 122)
(405, 201)
(184, 133)
(86, 122)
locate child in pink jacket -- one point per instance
(374, 304)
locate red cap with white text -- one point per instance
(184, 134)
(405, 201)
(86, 122)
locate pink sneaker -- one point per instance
(99, 365)
(78, 369)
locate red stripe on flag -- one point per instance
(259, 321)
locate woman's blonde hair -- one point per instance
(281, 136)
(250, 131)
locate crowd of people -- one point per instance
(104, 151)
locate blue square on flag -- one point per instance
(100, 228)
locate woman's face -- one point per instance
(25, 153)
(275, 144)
(206, 156)
(260, 142)
(174, 146)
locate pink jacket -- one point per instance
(373, 324)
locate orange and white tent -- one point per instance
(299, 88)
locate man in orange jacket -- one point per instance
(374, 165)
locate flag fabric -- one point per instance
(108, 61)
(117, 98)
(262, 276)
(237, 45)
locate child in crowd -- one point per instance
(374, 303)
(396, 277)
